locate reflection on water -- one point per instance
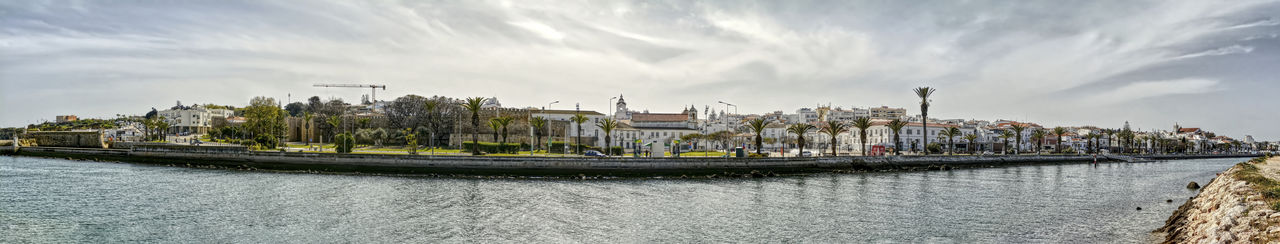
(49, 200)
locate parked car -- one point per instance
(196, 142)
(594, 153)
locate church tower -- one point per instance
(621, 112)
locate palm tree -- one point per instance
(862, 123)
(1058, 132)
(306, 125)
(1038, 135)
(1006, 135)
(504, 122)
(607, 125)
(496, 126)
(757, 126)
(579, 119)
(834, 128)
(1017, 129)
(539, 124)
(799, 130)
(334, 122)
(951, 134)
(971, 138)
(430, 106)
(896, 126)
(473, 104)
(924, 92)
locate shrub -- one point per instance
(344, 143)
(490, 147)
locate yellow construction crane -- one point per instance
(373, 89)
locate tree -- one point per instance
(579, 119)
(723, 137)
(607, 125)
(505, 122)
(757, 126)
(951, 134)
(896, 126)
(295, 109)
(1017, 129)
(1058, 132)
(496, 125)
(862, 123)
(693, 137)
(1038, 135)
(834, 128)
(430, 106)
(265, 121)
(924, 92)
(473, 105)
(151, 114)
(972, 138)
(411, 141)
(539, 125)
(1006, 135)
(306, 125)
(334, 122)
(406, 111)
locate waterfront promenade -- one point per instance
(237, 158)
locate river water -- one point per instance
(52, 200)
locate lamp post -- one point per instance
(544, 110)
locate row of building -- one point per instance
(645, 130)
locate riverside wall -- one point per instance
(239, 157)
(1227, 210)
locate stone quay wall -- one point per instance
(85, 139)
(240, 157)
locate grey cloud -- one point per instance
(990, 59)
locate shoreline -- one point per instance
(1230, 208)
(212, 157)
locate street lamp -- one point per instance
(544, 110)
(726, 106)
(611, 106)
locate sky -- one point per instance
(1198, 63)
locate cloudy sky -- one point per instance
(1201, 63)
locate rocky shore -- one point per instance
(1237, 206)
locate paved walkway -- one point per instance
(1271, 169)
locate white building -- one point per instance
(194, 119)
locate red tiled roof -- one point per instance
(1187, 130)
(659, 117)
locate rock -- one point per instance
(1139, 208)
(1193, 185)
(1170, 200)
(756, 174)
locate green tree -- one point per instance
(834, 128)
(306, 126)
(411, 141)
(862, 123)
(951, 134)
(1057, 133)
(1038, 136)
(265, 121)
(579, 119)
(505, 122)
(607, 125)
(757, 126)
(1017, 129)
(1005, 145)
(800, 130)
(473, 105)
(971, 138)
(334, 122)
(896, 126)
(924, 92)
(496, 125)
(539, 126)
(430, 107)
